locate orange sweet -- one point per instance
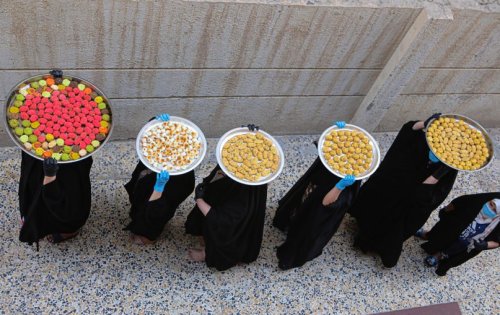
(47, 154)
(50, 81)
(103, 130)
(87, 90)
(37, 145)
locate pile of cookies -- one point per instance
(347, 152)
(456, 143)
(170, 146)
(250, 156)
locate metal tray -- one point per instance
(185, 122)
(376, 150)
(475, 125)
(11, 99)
(243, 130)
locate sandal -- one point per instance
(431, 261)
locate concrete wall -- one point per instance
(290, 67)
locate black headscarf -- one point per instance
(233, 227)
(453, 220)
(310, 224)
(62, 206)
(149, 217)
(394, 203)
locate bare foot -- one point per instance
(61, 237)
(141, 240)
(197, 254)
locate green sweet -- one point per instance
(89, 148)
(20, 97)
(101, 105)
(46, 94)
(19, 131)
(105, 117)
(95, 143)
(66, 82)
(35, 124)
(56, 156)
(17, 103)
(32, 138)
(81, 87)
(65, 156)
(60, 142)
(35, 85)
(42, 82)
(13, 123)
(26, 123)
(23, 138)
(67, 149)
(28, 131)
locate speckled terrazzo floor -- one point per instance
(101, 272)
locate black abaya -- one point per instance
(452, 223)
(233, 228)
(394, 203)
(62, 206)
(149, 217)
(310, 224)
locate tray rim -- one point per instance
(244, 130)
(187, 123)
(42, 76)
(375, 148)
(474, 124)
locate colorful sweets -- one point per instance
(51, 115)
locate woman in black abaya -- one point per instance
(399, 198)
(230, 218)
(54, 200)
(458, 236)
(311, 213)
(154, 198)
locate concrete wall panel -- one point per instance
(483, 108)
(211, 82)
(444, 81)
(177, 34)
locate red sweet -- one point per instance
(56, 127)
(63, 129)
(56, 133)
(41, 138)
(87, 140)
(71, 129)
(97, 124)
(41, 128)
(28, 102)
(88, 130)
(33, 118)
(79, 130)
(82, 145)
(48, 129)
(93, 104)
(37, 132)
(31, 112)
(62, 97)
(95, 130)
(28, 97)
(45, 100)
(50, 124)
(71, 95)
(92, 136)
(68, 141)
(61, 121)
(71, 135)
(49, 110)
(85, 111)
(56, 93)
(23, 109)
(53, 98)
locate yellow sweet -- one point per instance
(350, 152)
(456, 143)
(252, 156)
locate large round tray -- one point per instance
(475, 125)
(376, 151)
(244, 130)
(21, 84)
(187, 123)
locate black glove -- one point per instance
(199, 192)
(252, 127)
(434, 116)
(57, 73)
(441, 172)
(50, 167)
(480, 245)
